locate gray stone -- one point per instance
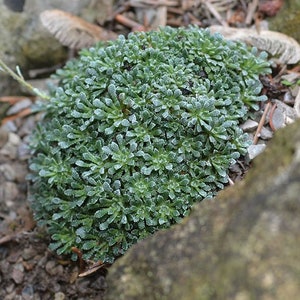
(19, 106)
(10, 148)
(8, 192)
(10, 126)
(8, 172)
(249, 125)
(3, 136)
(283, 115)
(266, 134)
(255, 150)
(243, 244)
(29, 253)
(59, 296)
(18, 273)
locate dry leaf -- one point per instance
(277, 44)
(92, 269)
(73, 31)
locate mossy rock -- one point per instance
(244, 244)
(287, 20)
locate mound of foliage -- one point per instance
(137, 131)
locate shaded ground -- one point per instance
(28, 270)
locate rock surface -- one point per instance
(27, 44)
(242, 245)
(287, 19)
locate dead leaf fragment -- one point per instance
(73, 31)
(277, 44)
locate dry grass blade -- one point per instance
(73, 31)
(251, 11)
(277, 44)
(261, 123)
(214, 12)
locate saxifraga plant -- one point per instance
(138, 130)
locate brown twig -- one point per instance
(93, 268)
(271, 123)
(14, 99)
(215, 13)
(80, 259)
(25, 112)
(251, 11)
(261, 123)
(134, 26)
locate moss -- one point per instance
(287, 20)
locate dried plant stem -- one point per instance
(21, 80)
(261, 123)
(129, 23)
(271, 123)
(251, 10)
(215, 13)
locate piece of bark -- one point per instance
(72, 31)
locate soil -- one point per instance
(28, 269)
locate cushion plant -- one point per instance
(137, 131)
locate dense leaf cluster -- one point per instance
(139, 130)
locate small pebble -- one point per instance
(59, 296)
(28, 253)
(27, 126)
(254, 150)
(10, 148)
(8, 172)
(288, 98)
(19, 106)
(10, 288)
(10, 126)
(11, 296)
(266, 134)
(249, 125)
(21, 172)
(27, 292)
(278, 118)
(14, 139)
(23, 151)
(8, 192)
(3, 136)
(18, 273)
(50, 266)
(283, 115)
(53, 268)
